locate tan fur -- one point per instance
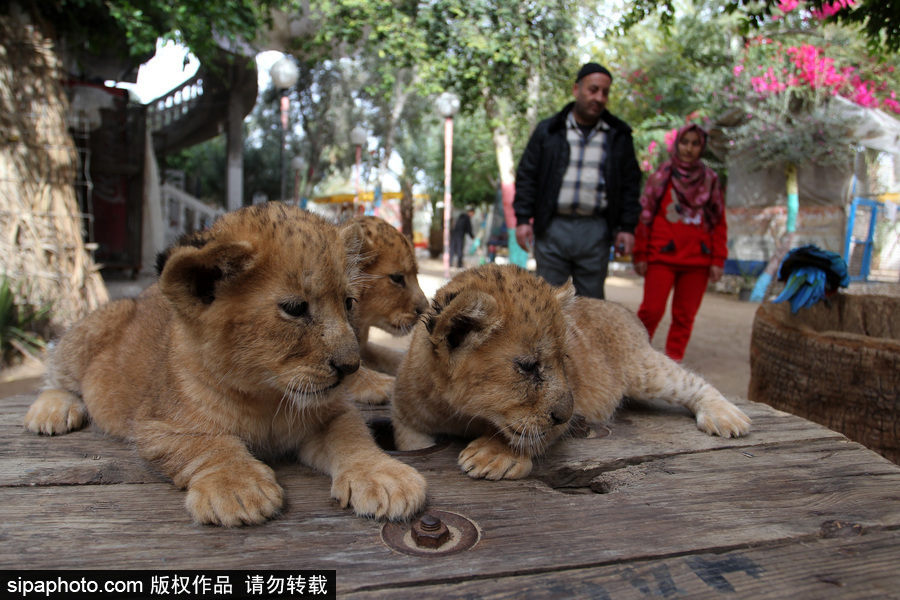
(237, 352)
(506, 358)
(390, 299)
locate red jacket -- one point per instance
(671, 241)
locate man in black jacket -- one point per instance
(577, 188)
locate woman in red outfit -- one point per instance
(681, 240)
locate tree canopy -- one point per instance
(877, 20)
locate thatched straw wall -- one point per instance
(41, 243)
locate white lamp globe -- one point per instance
(447, 104)
(358, 135)
(284, 73)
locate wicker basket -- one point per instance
(837, 364)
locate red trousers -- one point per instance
(689, 285)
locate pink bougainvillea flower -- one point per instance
(787, 6)
(835, 7)
(891, 103)
(669, 139)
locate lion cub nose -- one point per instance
(562, 412)
(560, 417)
(344, 368)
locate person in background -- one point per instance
(681, 241)
(577, 188)
(462, 228)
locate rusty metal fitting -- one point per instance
(430, 532)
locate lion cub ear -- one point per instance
(366, 247)
(566, 295)
(191, 277)
(354, 239)
(463, 321)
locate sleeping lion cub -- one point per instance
(239, 350)
(506, 358)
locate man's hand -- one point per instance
(641, 268)
(525, 236)
(715, 273)
(624, 243)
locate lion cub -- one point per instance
(506, 358)
(239, 350)
(389, 298)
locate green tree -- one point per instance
(130, 28)
(877, 20)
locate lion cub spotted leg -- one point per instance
(407, 438)
(371, 387)
(55, 412)
(664, 378)
(363, 476)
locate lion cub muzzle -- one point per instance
(562, 412)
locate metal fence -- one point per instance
(872, 249)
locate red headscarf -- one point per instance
(696, 185)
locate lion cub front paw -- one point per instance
(232, 496)
(383, 489)
(723, 419)
(492, 458)
(55, 412)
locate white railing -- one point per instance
(176, 104)
(183, 213)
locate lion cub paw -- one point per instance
(371, 387)
(56, 412)
(383, 489)
(492, 458)
(233, 496)
(724, 419)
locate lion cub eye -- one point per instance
(527, 366)
(295, 309)
(348, 303)
(398, 278)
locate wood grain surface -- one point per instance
(652, 508)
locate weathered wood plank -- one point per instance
(656, 489)
(682, 504)
(851, 568)
(637, 433)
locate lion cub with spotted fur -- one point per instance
(239, 350)
(506, 358)
(389, 298)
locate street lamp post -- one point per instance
(298, 164)
(358, 137)
(447, 106)
(284, 75)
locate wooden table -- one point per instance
(651, 508)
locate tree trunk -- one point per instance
(506, 168)
(787, 240)
(406, 208)
(402, 93)
(41, 225)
